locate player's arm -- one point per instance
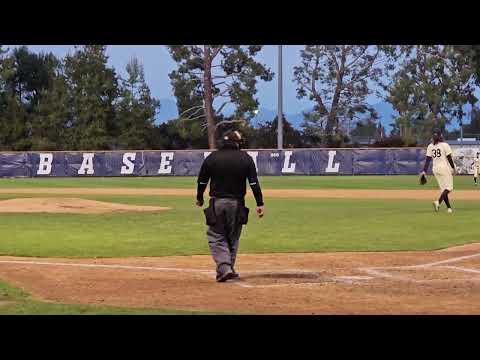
(448, 154)
(202, 182)
(428, 160)
(450, 161)
(255, 186)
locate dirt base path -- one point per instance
(430, 282)
(274, 193)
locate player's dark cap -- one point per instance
(437, 132)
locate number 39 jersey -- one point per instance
(439, 152)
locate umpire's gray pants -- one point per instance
(223, 238)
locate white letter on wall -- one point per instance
(87, 164)
(254, 155)
(165, 167)
(330, 168)
(287, 167)
(128, 159)
(45, 164)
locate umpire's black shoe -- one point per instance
(225, 276)
(235, 275)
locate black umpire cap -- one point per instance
(233, 135)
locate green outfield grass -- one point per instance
(290, 225)
(268, 182)
(14, 301)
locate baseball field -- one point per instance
(327, 245)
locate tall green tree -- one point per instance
(177, 134)
(264, 136)
(473, 129)
(52, 118)
(136, 109)
(13, 117)
(14, 129)
(93, 90)
(472, 54)
(31, 74)
(211, 77)
(338, 79)
(430, 89)
(4, 74)
(25, 77)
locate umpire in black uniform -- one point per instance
(227, 169)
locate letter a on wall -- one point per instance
(87, 164)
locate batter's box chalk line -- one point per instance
(382, 272)
(372, 272)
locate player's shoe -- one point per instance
(449, 210)
(436, 205)
(225, 276)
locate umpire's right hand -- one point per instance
(260, 211)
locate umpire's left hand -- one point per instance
(199, 203)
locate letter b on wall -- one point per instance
(45, 164)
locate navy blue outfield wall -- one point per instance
(187, 163)
(391, 161)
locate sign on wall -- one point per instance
(187, 163)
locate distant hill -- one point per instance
(268, 115)
(168, 111)
(386, 114)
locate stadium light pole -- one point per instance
(280, 100)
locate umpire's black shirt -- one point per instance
(228, 170)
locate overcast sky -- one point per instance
(158, 63)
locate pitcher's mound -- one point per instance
(69, 205)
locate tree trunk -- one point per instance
(332, 116)
(208, 97)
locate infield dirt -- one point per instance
(68, 206)
(429, 282)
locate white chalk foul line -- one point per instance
(459, 268)
(441, 262)
(382, 271)
(348, 279)
(107, 266)
(375, 272)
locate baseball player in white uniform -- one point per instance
(476, 168)
(443, 168)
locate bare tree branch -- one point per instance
(201, 107)
(358, 57)
(222, 106)
(215, 53)
(230, 122)
(193, 118)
